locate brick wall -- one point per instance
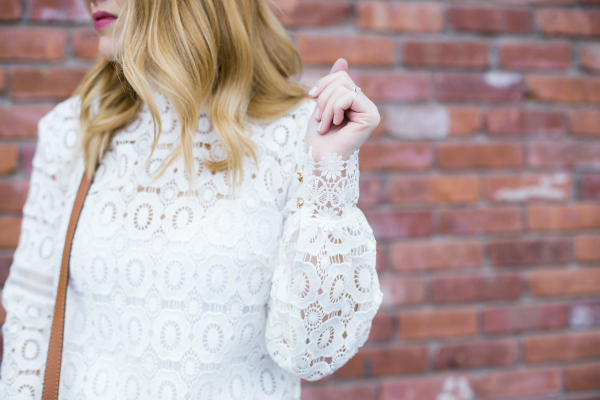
(481, 183)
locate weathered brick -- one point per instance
(517, 55)
(437, 324)
(589, 56)
(398, 291)
(400, 224)
(580, 378)
(589, 186)
(5, 263)
(479, 288)
(382, 327)
(2, 80)
(529, 252)
(85, 44)
(395, 156)
(396, 86)
(568, 22)
(33, 44)
(21, 121)
(587, 248)
(479, 354)
(357, 50)
(436, 255)
(27, 153)
(585, 122)
(13, 195)
(519, 384)
(52, 83)
(10, 229)
(358, 391)
(569, 217)
(10, 10)
(524, 187)
(565, 282)
(525, 318)
(63, 11)
(426, 388)
(480, 155)
(371, 190)
(564, 89)
(479, 87)
(562, 347)
(490, 20)
(585, 314)
(524, 122)
(455, 189)
(564, 154)
(480, 220)
(312, 13)
(419, 17)
(446, 54)
(383, 361)
(9, 158)
(464, 121)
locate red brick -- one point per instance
(480, 220)
(358, 391)
(569, 217)
(480, 155)
(399, 291)
(564, 154)
(382, 327)
(524, 318)
(85, 44)
(565, 282)
(568, 22)
(436, 255)
(10, 10)
(464, 121)
(587, 248)
(455, 189)
(395, 156)
(479, 354)
(396, 86)
(564, 89)
(10, 229)
(525, 122)
(13, 195)
(426, 388)
(529, 252)
(519, 384)
(21, 121)
(9, 158)
(589, 56)
(312, 13)
(489, 20)
(27, 153)
(580, 378)
(2, 80)
(400, 224)
(53, 83)
(535, 55)
(585, 314)
(33, 44)
(52, 10)
(445, 54)
(357, 50)
(408, 17)
(478, 288)
(479, 87)
(5, 263)
(383, 361)
(437, 324)
(585, 122)
(417, 122)
(589, 186)
(523, 187)
(562, 347)
(371, 190)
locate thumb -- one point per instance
(339, 65)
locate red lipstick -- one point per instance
(102, 18)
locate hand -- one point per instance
(348, 118)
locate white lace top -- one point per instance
(174, 296)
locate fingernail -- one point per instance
(313, 90)
(320, 126)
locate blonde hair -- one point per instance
(231, 57)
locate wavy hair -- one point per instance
(232, 57)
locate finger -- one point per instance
(328, 111)
(324, 97)
(339, 65)
(326, 81)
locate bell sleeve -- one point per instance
(29, 293)
(325, 290)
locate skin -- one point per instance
(342, 120)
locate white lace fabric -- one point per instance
(176, 296)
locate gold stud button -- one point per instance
(300, 177)
(299, 202)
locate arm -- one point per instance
(325, 289)
(28, 295)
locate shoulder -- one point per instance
(58, 131)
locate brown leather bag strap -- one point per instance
(53, 361)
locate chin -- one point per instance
(107, 49)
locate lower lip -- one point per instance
(102, 22)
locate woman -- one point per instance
(219, 252)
